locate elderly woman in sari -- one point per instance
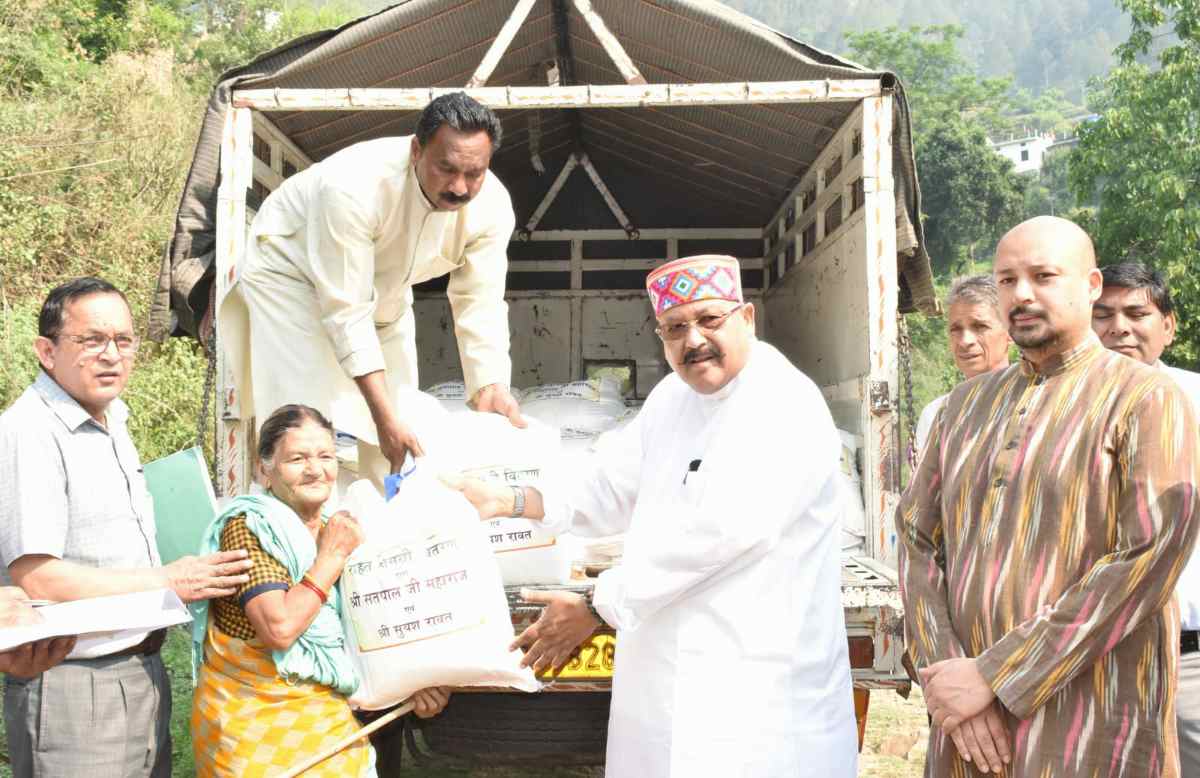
(275, 675)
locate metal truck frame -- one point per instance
(828, 297)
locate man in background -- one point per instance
(1136, 317)
(978, 339)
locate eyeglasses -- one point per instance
(94, 345)
(707, 324)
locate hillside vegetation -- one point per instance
(1043, 44)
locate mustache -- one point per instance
(457, 199)
(697, 354)
(1025, 310)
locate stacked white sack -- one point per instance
(451, 394)
(581, 410)
(423, 601)
(854, 515)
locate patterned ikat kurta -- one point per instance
(1043, 533)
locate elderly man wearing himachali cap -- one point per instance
(732, 648)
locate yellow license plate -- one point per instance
(593, 659)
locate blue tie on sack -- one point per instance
(391, 483)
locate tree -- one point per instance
(940, 82)
(970, 193)
(1142, 155)
(237, 31)
(1050, 192)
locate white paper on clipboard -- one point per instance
(101, 619)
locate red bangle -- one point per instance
(315, 589)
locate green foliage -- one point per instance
(971, 195)
(940, 82)
(163, 394)
(38, 45)
(91, 169)
(18, 363)
(1142, 155)
(237, 31)
(99, 108)
(1042, 44)
(1048, 111)
(177, 656)
(933, 368)
(1049, 193)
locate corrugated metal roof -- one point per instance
(728, 166)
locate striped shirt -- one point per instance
(1043, 534)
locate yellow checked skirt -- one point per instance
(247, 722)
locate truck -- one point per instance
(635, 132)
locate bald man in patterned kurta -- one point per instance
(1041, 538)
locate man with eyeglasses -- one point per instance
(76, 521)
(728, 594)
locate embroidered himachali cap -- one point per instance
(688, 279)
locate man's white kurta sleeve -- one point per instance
(764, 477)
(341, 248)
(476, 294)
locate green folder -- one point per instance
(184, 502)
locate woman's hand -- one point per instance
(430, 702)
(491, 500)
(339, 537)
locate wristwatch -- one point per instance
(518, 501)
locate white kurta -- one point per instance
(1188, 586)
(324, 292)
(731, 644)
(925, 421)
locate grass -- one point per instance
(891, 718)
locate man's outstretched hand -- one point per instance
(496, 398)
(396, 442)
(564, 624)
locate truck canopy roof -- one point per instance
(685, 167)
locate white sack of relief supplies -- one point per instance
(581, 410)
(487, 446)
(451, 394)
(422, 600)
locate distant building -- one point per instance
(1027, 153)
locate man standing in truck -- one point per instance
(321, 312)
(727, 597)
(1136, 317)
(978, 339)
(1042, 536)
